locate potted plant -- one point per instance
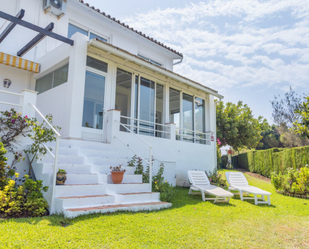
(61, 177)
(117, 174)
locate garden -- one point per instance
(190, 223)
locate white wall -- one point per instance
(82, 16)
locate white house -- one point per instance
(113, 91)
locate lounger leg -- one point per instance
(263, 197)
(241, 196)
(216, 199)
(203, 195)
(228, 199)
(190, 191)
(268, 199)
(255, 199)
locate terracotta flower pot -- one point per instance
(61, 178)
(117, 177)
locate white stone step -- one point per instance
(62, 159)
(107, 161)
(147, 206)
(129, 187)
(99, 153)
(126, 178)
(140, 197)
(69, 190)
(105, 169)
(69, 168)
(85, 201)
(82, 178)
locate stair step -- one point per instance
(140, 196)
(69, 190)
(105, 169)
(107, 178)
(80, 178)
(145, 206)
(129, 187)
(85, 201)
(99, 153)
(69, 168)
(107, 161)
(63, 159)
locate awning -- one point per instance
(14, 61)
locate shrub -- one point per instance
(216, 179)
(295, 181)
(26, 200)
(167, 191)
(3, 159)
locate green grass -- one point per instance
(191, 223)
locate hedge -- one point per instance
(273, 160)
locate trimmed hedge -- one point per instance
(273, 160)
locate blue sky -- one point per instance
(247, 50)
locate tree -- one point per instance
(270, 138)
(237, 127)
(284, 109)
(302, 124)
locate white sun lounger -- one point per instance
(238, 182)
(200, 182)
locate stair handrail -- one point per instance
(150, 151)
(58, 136)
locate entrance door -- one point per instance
(94, 101)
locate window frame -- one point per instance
(88, 30)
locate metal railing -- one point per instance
(194, 136)
(11, 93)
(54, 156)
(138, 126)
(149, 162)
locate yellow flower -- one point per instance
(16, 174)
(155, 182)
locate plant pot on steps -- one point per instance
(61, 177)
(117, 177)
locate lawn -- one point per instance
(191, 223)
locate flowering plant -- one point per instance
(215, 178)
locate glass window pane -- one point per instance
(147, 95)
(61, 75)
(123, 95)
(159, 110)
(136, 103)
(200, 120)
(45, 83)
(97, 64)
(187, 116)
(73, 29)
(92, 35)
(93, 100)
(174, 112)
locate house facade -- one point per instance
(113, 86)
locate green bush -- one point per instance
(26, 200)
(295, 181)
(215, 178)
(276, 160)
(3, 159)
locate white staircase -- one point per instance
(89, 188)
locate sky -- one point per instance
(248, 51)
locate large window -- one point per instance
(123, 95)
(53, 79)
(188, 113)
(73, 29)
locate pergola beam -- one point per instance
(35, 40)
(11, 26)
(36, 28)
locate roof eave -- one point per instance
(131, 57)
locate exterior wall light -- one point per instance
(7, 83)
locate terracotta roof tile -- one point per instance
(128, 27)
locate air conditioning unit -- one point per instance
(57, 7)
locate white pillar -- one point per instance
(112, 125)
(75, 87)
(28, 97)
(172, 130)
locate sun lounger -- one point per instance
(238, 182)
(200, 182)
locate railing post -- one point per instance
(172, 130)
(112, 126)
(28, 97)
(52, 203)
(150, 168)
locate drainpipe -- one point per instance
(178, 62)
